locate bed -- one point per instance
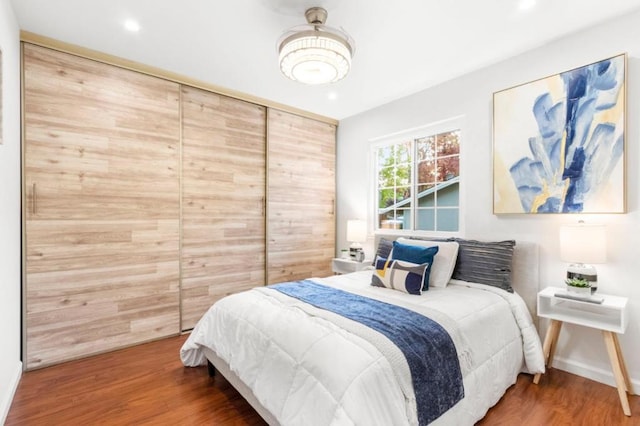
(299, 362)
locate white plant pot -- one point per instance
(582, 291)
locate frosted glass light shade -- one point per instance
(582, 243)
(315, 59)
(315, 53)
(356, 231)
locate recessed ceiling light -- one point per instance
(527, 4)
(131, 25)
(332, 96)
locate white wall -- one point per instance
(10, 365)
(580, 350)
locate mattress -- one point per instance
(304, 368)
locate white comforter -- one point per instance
(308, 371)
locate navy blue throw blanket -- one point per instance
(428, 348)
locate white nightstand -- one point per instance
(610, 316)
(344, 266)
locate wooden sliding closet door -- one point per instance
(223, 195)
(101, 162)
(301, 197)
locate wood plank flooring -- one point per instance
(147, 384)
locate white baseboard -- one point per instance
(590, 372)
(7, 398)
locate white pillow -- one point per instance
(443, 262)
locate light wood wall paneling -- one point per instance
(37, 39)
(223, 190)
(102, 206)
(301, 197)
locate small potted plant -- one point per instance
(578, 285)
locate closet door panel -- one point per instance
(101, 178)
(301, 195)
(223, 190)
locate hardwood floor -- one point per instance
(144, 384)
(147, 384)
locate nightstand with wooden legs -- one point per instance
(610, 316)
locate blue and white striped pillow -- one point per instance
(485, 262)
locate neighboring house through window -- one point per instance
(418, 178)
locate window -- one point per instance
(418, 179)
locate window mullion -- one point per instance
(414, 184)
(435, 192)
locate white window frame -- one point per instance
(443, 126)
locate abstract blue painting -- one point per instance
(559, 142)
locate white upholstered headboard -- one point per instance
(524, 276)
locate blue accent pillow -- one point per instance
(415, 254)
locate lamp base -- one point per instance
(586, 272)
(356, 252)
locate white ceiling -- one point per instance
(402, 46)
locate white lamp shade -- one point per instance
(356, 231)
(582, 243)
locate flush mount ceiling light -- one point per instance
(315, 53)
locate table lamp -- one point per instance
(581, 245)
(356, 235)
